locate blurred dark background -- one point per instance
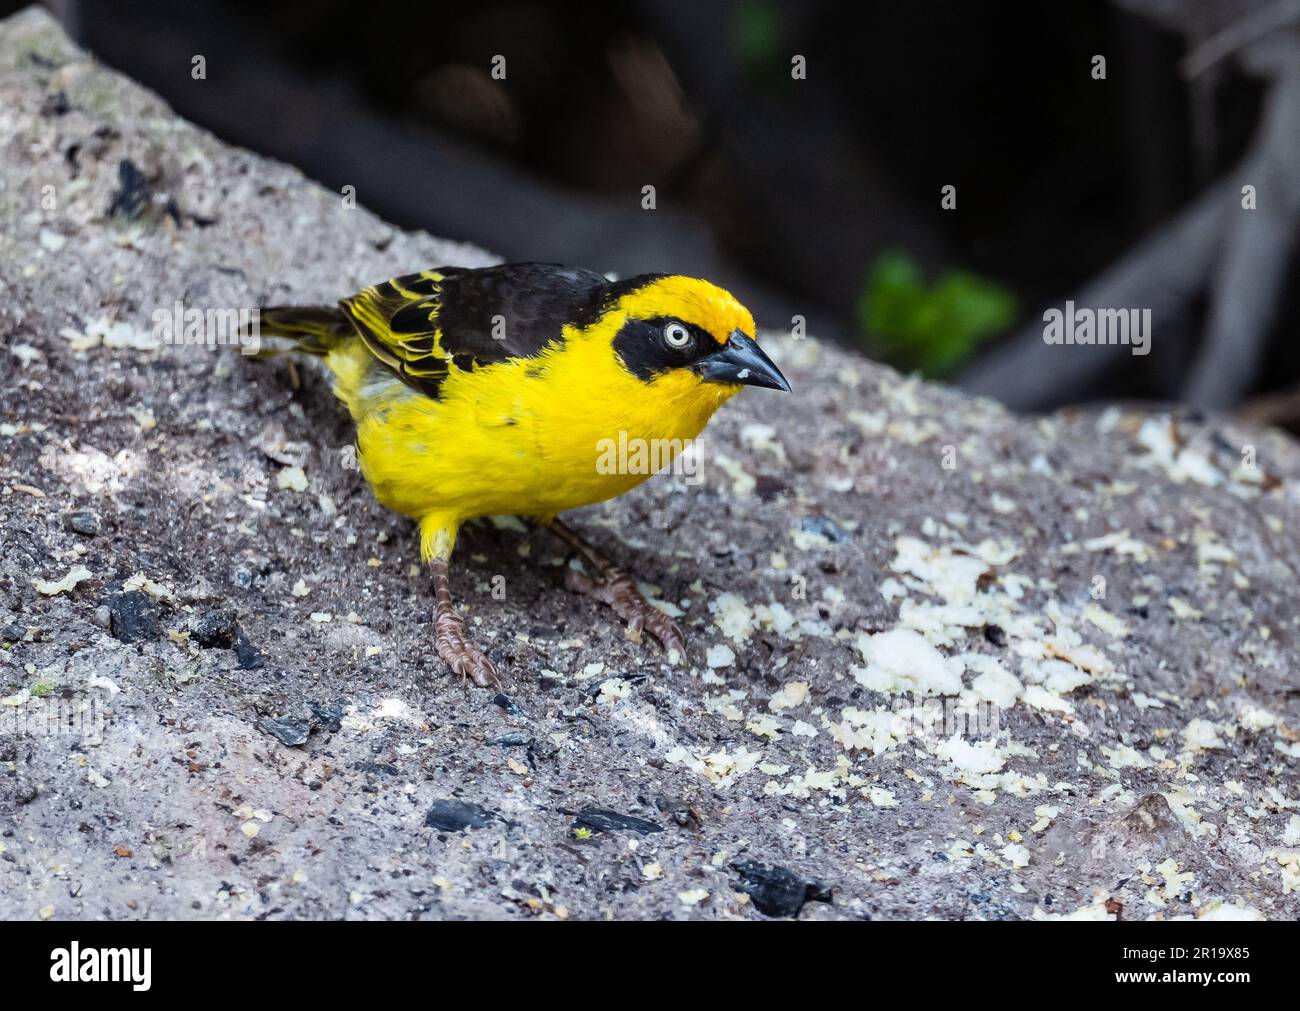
(814, 196)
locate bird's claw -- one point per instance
(460, 654)
(618, 590)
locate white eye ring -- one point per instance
(676, 335)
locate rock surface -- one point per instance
(186, 553)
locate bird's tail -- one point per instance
(311, 329)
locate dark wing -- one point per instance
(425, 325)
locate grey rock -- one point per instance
(1143, 583)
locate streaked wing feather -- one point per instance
(427, 324)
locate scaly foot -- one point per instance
(451, 636)
(460, 654)
(616, 588)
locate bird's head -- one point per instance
(693, 336)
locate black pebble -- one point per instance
(132, 194)
(218, 628)
(287, 730)
(82, 521)
(611, 821)
(507, 703)
(55, 104)
(995, 635)
(247, 654)
(330, 717)
(133, 617)
(768, 487)
(215, 629)
(457, 815)
(776, 890)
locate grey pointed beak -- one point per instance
(741, 362)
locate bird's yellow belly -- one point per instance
(418, 464)
(516, 442)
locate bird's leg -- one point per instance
(616, 588)
(452, 636)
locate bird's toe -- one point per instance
(667, 631)
(462, 656)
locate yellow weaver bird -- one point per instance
(487, 392)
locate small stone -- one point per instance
(376, 768)
(247, 654)
(457, 816)
(330, 717)
(596, 820)
(286, 729)
(215, 629)
(133, 617)
(776, 890)
(678, 810)
(55, 104)
(82, 521)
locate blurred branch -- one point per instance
(1238, 34)
(1170, 269)
(1247, 287)
(1164, 272)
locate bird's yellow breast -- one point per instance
(529, 436)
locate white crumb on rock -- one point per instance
(141, 582)
(901, 660)
(978, 758)
(993, 682)
(733, 617)
(76, 574)
(792, 693)
(292, 478)
(721, 768)
(1202, 735)
(720, 655)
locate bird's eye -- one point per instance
(676, 335)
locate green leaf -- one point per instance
(756, 34)
(930, 328)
